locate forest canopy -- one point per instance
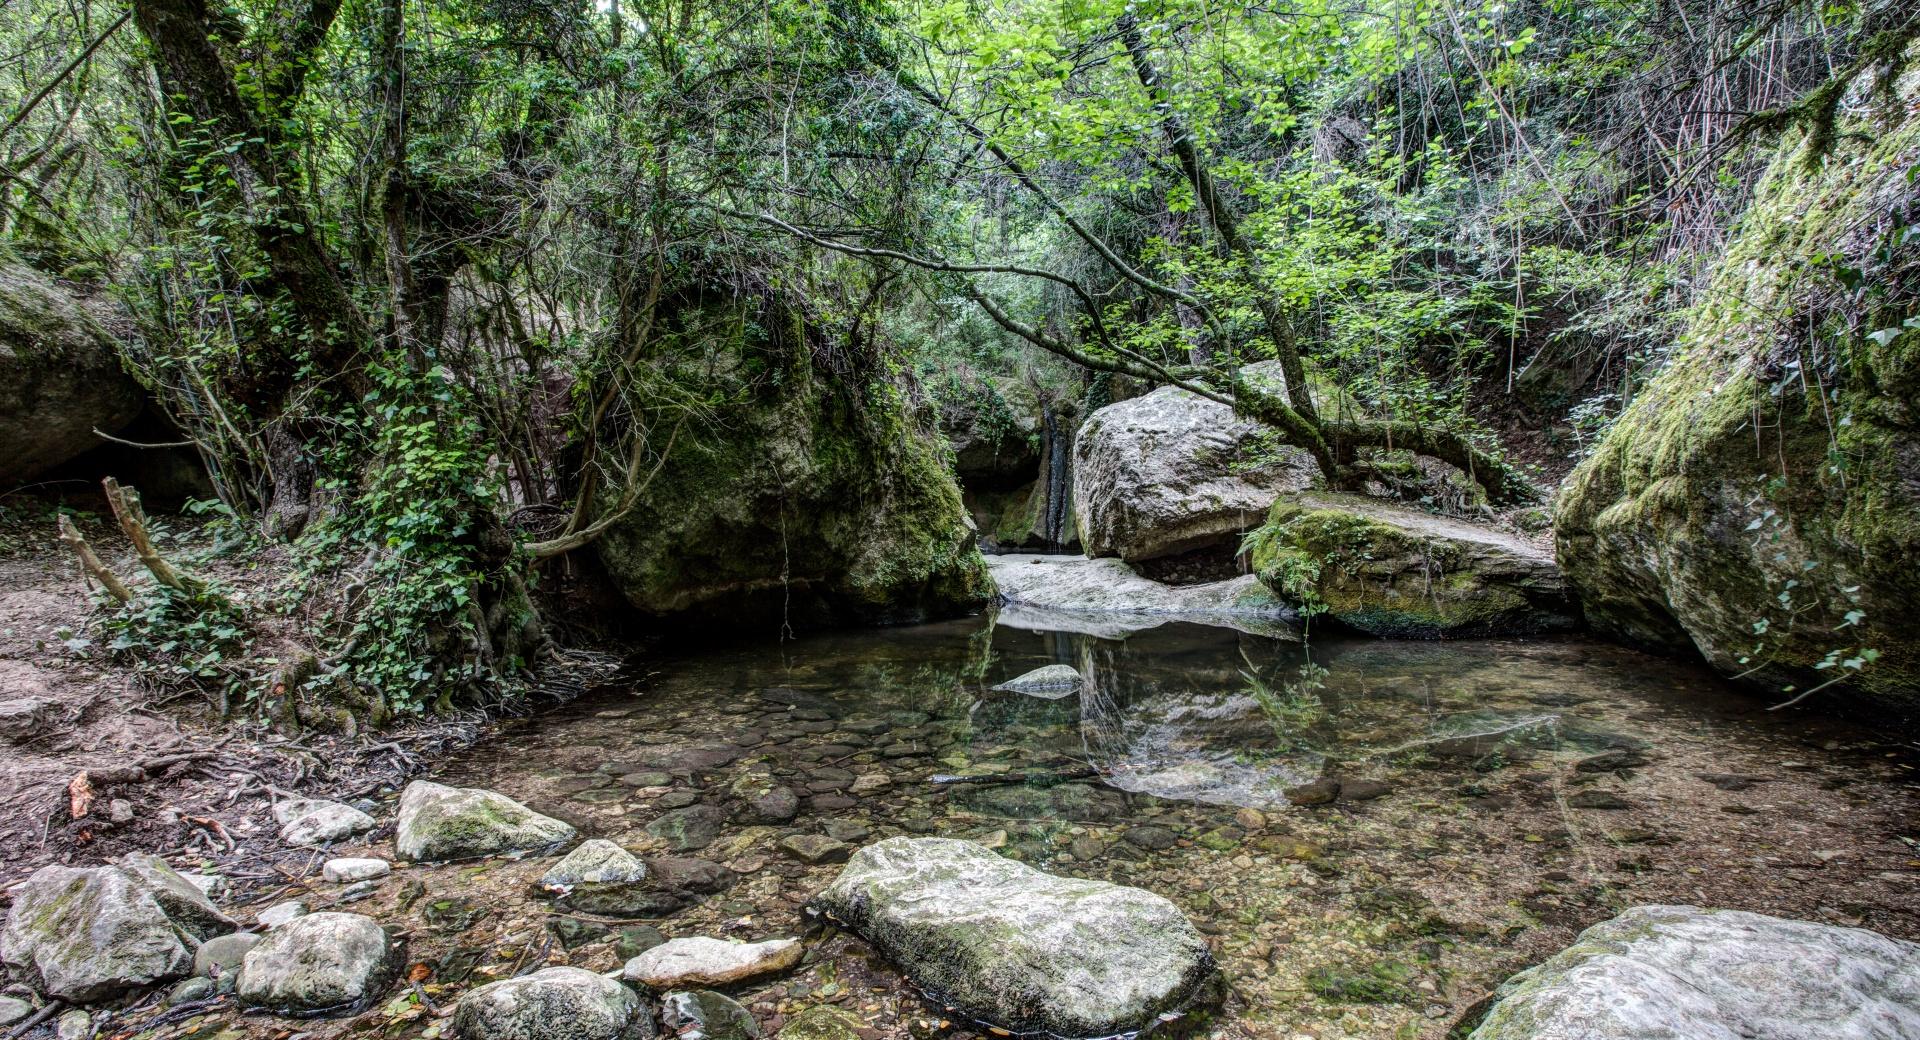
(424, 284)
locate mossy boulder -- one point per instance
(60, 375)
(1758, 502)
(438, 823)
(91, 934)
(806, 498)
(1389, 570)
(1016, 948)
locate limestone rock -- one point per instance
(313, 822)
(702, 1014)
(280, 913)
(318, 964)
(1016, 947)
(557, 1003)
(60, 376)
(700, 961)
(1171, 472)
(1390, 570)
(1051, 682)
(223, 954)
(1680, 971)
(347, 869)
(438, 822)
(1106, 599)
(595, 861)
(89, 934)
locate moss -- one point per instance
(1390, 580)
(1777, 454)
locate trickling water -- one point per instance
(1475, 828)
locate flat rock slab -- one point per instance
(1017, 948)
(319, 964)
(348, 869)
(701, 961)
(438, 823)
(1684, 972)
(551, 1004)
(1106, 599)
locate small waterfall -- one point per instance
(1057, 455)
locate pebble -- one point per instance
(13, 1009)
(348, 869)
(1150, 836)
(1319, 792)
(74, 1025)
(189, 990)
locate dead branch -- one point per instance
(133, 521)
(90, 563)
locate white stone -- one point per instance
(701, 961)
(319, 963)
(310, 822)
(347, 868)
(437, 823)
(596, 860)
(1684, 972)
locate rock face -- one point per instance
(1105, 598)
(1389, 570)
(1171, 472)
(1680, 971)
(60, 376)
(1017, 948)
(700, 961)
(799, 498)
(317, 964)
(550, 1004)
(1683, 530)
(316, 821)
(437, 822)
(90, 934)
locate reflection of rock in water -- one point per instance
(1181, 743)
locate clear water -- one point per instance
(1488, 835)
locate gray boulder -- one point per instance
(311, 822)
(223, 955)
(550, 1004)
(1018, 948)
(90, 934)
(702, 961)
(60, 376)
(438, 822)
(1684, 972)
(184, 902)
(318, 964)
(1171, 472)
(1051, 682)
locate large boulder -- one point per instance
(60, 376)
(1680, 971)
(1389, 570)
(1106, 598)
(437, 822)
(1758, 502)
(313, 822)
(1172, 472)
(551, 1004)
(1014, 947)
(87, 934)
(798, 498)
(324, 963)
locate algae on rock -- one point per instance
(798, 496)
(1759, 500)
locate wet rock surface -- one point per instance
(1016, 947)
(1681, 971)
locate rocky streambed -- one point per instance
(906, 833)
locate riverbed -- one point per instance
(1478, 803)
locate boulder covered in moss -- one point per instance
(1758, 502)
(92, 934)
(438, 823)
(60, 376)
(794, 496)
(1389, 570)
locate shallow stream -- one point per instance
(1497, 797)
